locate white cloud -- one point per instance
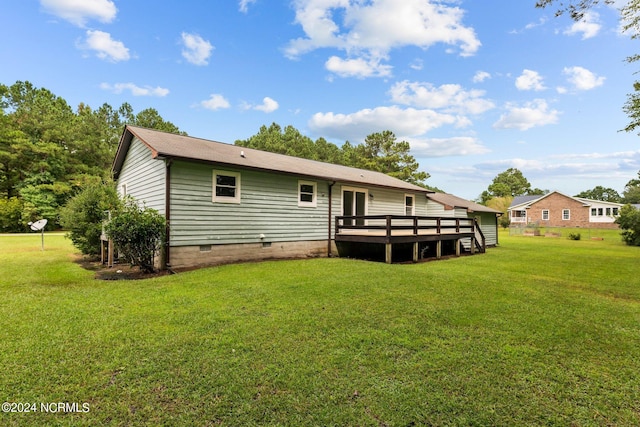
(589, 26)
(403, 122)
(135, 90)
(530, 80)
(215, 102)
(481, 76)
(372, 29)
(78, 12)
(105, 47)
(417, 65)
(532, 114)
(268, 105)
(442, 147)
(358, 67)
(244, 5)
(196, 49)
(449, 97)
(583, 79)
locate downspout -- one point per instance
(330, 221)
(167, 215)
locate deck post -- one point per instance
(457, 247)
(415, 251)
(110, 254)
(439, 249)
(388, 252)
(473, 245)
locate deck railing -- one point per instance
(390, 225)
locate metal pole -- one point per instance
(42, 238)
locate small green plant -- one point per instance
(574, 236)
(137, 233)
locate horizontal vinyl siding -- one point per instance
(144, 176)
(436, 209)
(269, 206)
(382, 201)
(488, 225)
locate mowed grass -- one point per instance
(539, 331)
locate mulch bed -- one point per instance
(117, 272)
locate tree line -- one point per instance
(49, 151)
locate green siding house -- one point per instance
(225, 203)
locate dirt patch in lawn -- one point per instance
(117, 272)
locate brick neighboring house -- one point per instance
(559, 210)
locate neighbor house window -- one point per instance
(615, 211)
(409, 204)
(594, 212)
(608, 211)
(566, 214)
(226, 187)
(545, 215)
(307, 194)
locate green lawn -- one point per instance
(539, 331)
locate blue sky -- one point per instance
(475, 87)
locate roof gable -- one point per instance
(524, 202)
(188, 148)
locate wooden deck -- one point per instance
(396, 229)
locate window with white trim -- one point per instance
(566, 214)
(226, 187)
(307, 194)
(409, 204)
(545, 214)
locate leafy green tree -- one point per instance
(381, 152)
(83, 214)
(631, 193)
(629, 222)
(137, 232)
(509, 183)
(11, 215)
(291, 142)
(150, 118)
(501, 204)
(601, 193)
(48, 150)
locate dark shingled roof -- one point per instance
(456, 202)
(170, 145)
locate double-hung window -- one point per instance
(566, 214)
(409, 204)
(307, 194)
(545, 214)
(226, 187)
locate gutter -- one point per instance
(167, 214)
(329, 221)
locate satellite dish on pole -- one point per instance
(39, 226)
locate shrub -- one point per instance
(137, 233)
(84, 213)
(11, 215)
(629, 222)
(574, 236)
